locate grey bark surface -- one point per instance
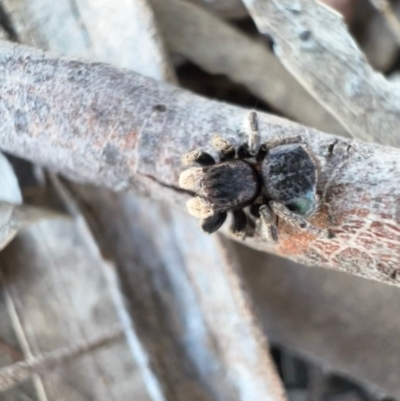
(97, 124)
(329, 64)
(77, 306)
(20, 372)
(93, 30)
(10, 352)
(220, 48)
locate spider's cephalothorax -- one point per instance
(276, 179)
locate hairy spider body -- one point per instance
(277, 180)
(230, 185)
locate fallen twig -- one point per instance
(328, 63)
(220, 48)
(19, 372)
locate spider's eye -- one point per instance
(302, 206)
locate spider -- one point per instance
(276, 179)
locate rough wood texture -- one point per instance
(101, 125)
(10, 352)
(220, 48)
(328, 63)
(343, 324)
(93, 30)
(59, 298)
(22, 371)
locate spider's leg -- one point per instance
(250, 149)
(282, 140)
(214, 222)
(251, 127)
(268, 227)
(225, 147)
(239, 224)
(255, 210)
(298, 221)
(197, 156)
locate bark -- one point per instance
(224, 8)
(220, 48)
(57, 298)
(24, 370)
(97, 124)
(328, 63)
(93, 31)
(342, 324)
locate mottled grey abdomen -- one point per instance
(289, 177)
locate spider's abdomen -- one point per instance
(289, 176)
(230, 184)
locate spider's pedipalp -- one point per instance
(191, 178)
(239, 224)
(214, 222)
(224, 146)
(199, 207)
(268, 226)
(197, 156)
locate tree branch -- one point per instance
(98, 124)
(21, 371)
(220, 48)
(328, 63)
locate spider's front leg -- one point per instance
(297, 221)
(239, 224)
(213, 223)
(224, 147)
(199, 157)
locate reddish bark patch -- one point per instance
(294, 243)
(129, 141)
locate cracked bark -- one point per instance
(111, 127)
